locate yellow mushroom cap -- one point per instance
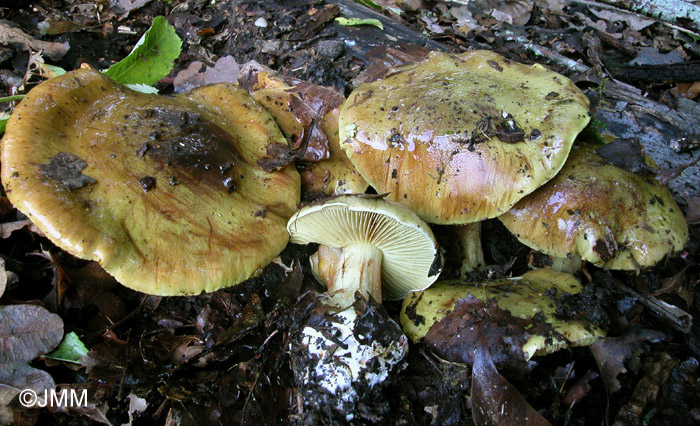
(461, 138)
(165, 193)
(410, 257)
(609, 216)
(524, 297)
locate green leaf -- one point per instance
(71, 349)
(357, 21)
(143, 88)
(3, 123)
(152, 57)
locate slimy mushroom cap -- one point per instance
(461, 138)
(165, 193)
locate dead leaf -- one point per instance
(27, 331)
(20, 376)
(10, 35)
(125, 6)
(225, 70)
(693, 215)
(455, 337)
(627, 154)
(6, 229)
(515, 12)
(612, 353)
(676, 284)
(6, 277)
(494, 400)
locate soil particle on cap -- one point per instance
(147, 183)
(66, 168)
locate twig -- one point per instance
(633, 13)
(679, 319)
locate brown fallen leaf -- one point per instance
(612, 353)
(27, 331)
(225, 70)
(494, 400)
(6, 229)
(455, 337)
(10, 35)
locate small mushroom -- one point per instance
(368, 245)
(461, 138)
(601, 213)
(532, 297)
(370, 249)
(164, 192)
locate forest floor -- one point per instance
(223, 357)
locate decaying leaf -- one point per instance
(6, 229)
(494, 400)
(27, 331)
(627, 154)
(693, 215)
(455, 337)
(225, 70)
(16, 376)
(6, 277)
(612, 353)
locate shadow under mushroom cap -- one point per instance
(165, 193)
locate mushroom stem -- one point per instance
(344, 271)
(569, 265)
(472, 254)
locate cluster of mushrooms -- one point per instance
(454, 139)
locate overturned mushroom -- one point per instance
(165, 193)
(601, 213)
(532, 298)
(461, 138)
(375, 249)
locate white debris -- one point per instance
(344, 361)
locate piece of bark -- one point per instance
(626, 113)
(361, 39)
(10, 35)
(676, 12)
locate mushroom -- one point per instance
(601, 213)
(532, 297)
(368, 245)
(165, 193)
(293, 109)
(371, 249)
(461, 138)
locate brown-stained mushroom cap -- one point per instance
(461, 138)
(610, 217)
(534, 297)
(165, 193)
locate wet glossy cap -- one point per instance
(533, 294)
(165, 193)
(410, 257)
(461, 138)
(609, 216)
